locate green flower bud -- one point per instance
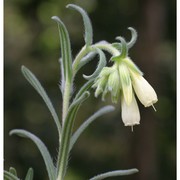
(125, 82)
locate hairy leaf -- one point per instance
(65, 49)
(115, 173)
(42, 148)
(87, 24)
(38, 87)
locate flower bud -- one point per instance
(125, 82)
(144, 90)
(113, 85)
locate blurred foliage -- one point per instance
(31, 39)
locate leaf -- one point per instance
(86, 59)
(87, 23)
(30, 174)
(38, 87)
(65, 49)
(115, 173)
(10, 176)
(133, 39)
(91, 119)
(124, 48)
(42, 148)
(13, 171)
(84, 88)
(102, 63)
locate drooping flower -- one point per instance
(144, 91)
(130, 113)
(123, 79)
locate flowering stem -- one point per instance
(67, 115)
(85, 50)
(66, 99)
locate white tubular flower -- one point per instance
(130, 113)
(124, 79)
(143, 90)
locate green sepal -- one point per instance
(87, 23)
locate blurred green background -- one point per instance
(31, 39)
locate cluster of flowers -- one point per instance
(122, 80)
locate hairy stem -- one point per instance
(66, 99)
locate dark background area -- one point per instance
(31, 39)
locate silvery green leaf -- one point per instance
(91, 119)
(86, 59)
(115, 173)
(87, 24)
(13, 171)
(101, 65)
(133, 39)
(38, 87)
(10, 176)
(124, 49)
(30, 174)
(42, 148)
(65, 49)
(84, 88)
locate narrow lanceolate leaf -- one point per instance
(86, 59)
(84, 88)
(13, 171)
(114, 173)
(124, 49)
(91, 119)
(66, 135)
(10, 176)
(87, 24)
(38, 87)
(42, 148)
(102, 63)
(65, 49)
(30, 174)
(133, 38)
